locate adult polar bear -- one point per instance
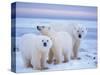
(78, 32)
(62, 44)
(34, 49)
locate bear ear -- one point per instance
(86, 28)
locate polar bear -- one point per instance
(34, 49)
(62, 44)
(78, 32)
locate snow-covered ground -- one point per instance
(87, 53)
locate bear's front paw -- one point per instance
(56, 62)
(30, 65)
(38, 68)
(72, 58)
(49, 61)
(65, 61)
(44, 68)
(77, 58)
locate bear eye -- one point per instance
(47, 40)
(78, 31)
(42, 40)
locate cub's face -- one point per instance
(45, 43)
(79, 31)
(43, 29)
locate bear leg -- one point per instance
(67, 55)
(58, 56)
(65, 58)
(36, 62)
(43, 61)
(75, 50)
(50, 57)
(26, 62)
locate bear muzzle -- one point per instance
(79, 35)
(44, 44)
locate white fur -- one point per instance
(75, 30)
(62, 43)
(33, 51)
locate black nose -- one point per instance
(79, 36)
(38, 28)
(44, 44)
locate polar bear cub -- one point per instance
(62, 44)
(34, 49)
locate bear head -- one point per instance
(44, 42)
(44, 29)
(79, 31)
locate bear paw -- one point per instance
(65, 61)
(77, 58)
(49, 61)
(44, 68)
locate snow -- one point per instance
(87, 53)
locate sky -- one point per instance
(53, 11)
